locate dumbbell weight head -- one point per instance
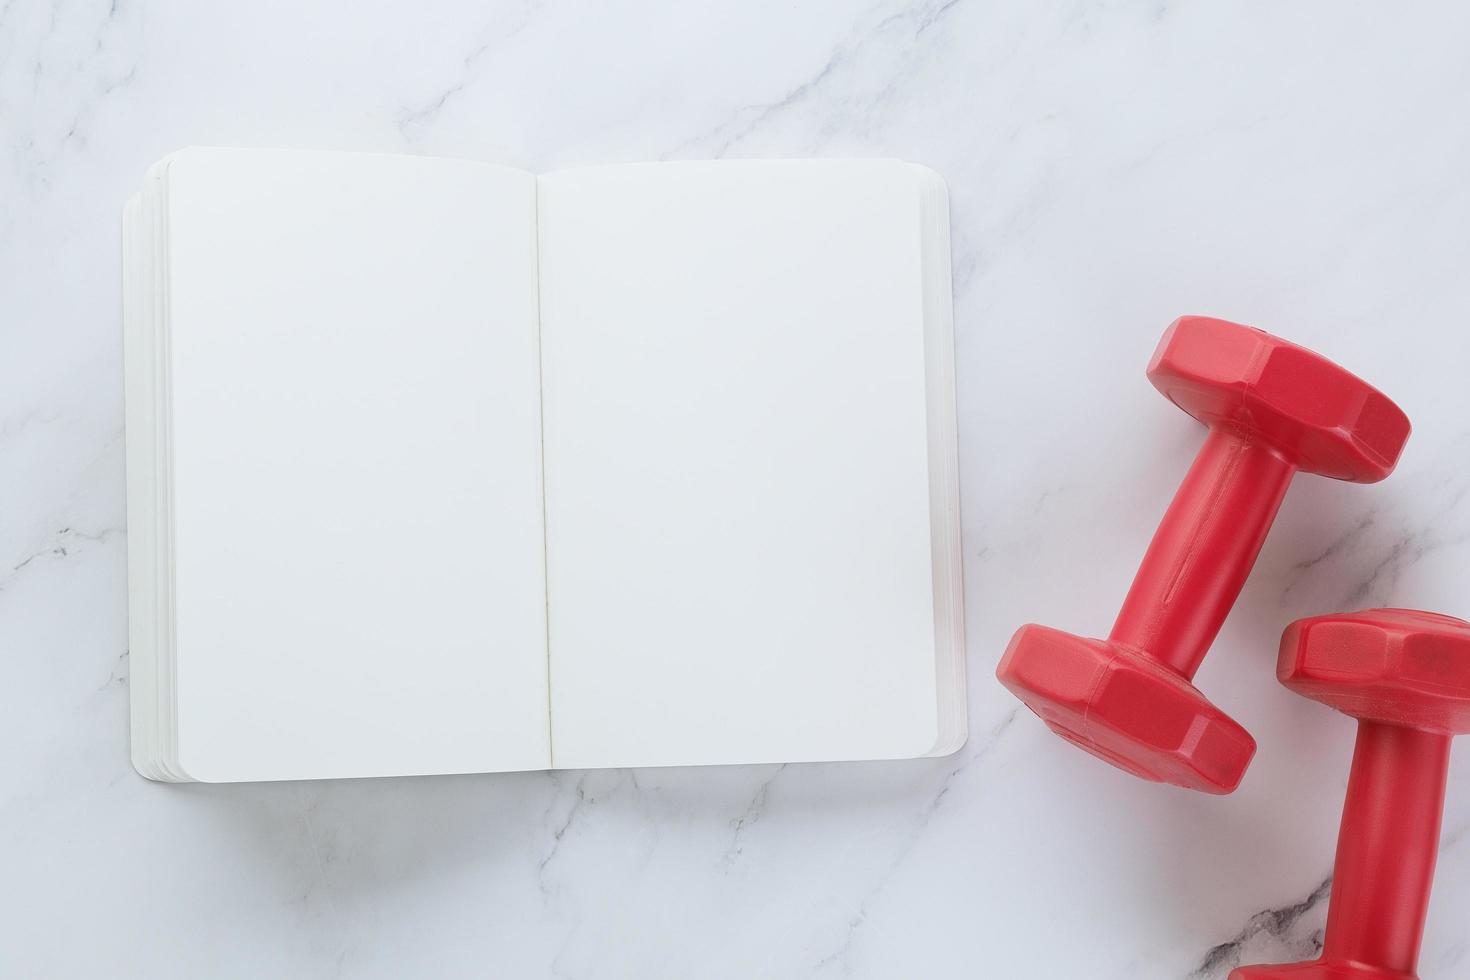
(1316, 971)
(1318, 416)
(1126, 708)
(1273, 408)
(1395, 666)
(1405, 675)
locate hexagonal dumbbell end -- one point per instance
(1315, 971)
(1405, 675)
(1395, 666)
(1273, 408)
(1324, 419)
(1127, 709)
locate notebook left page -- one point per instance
(355, 447)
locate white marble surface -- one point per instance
(1297, 166)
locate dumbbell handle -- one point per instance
(1387, 847)
(1203, 551)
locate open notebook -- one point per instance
(438, 466)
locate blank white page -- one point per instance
(356, 459)
(740, 562)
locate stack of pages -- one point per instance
(438, 466)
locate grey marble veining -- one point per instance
(1111, 165)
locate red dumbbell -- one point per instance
(1405, 676)
(1273, 408)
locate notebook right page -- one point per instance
(741, 540)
